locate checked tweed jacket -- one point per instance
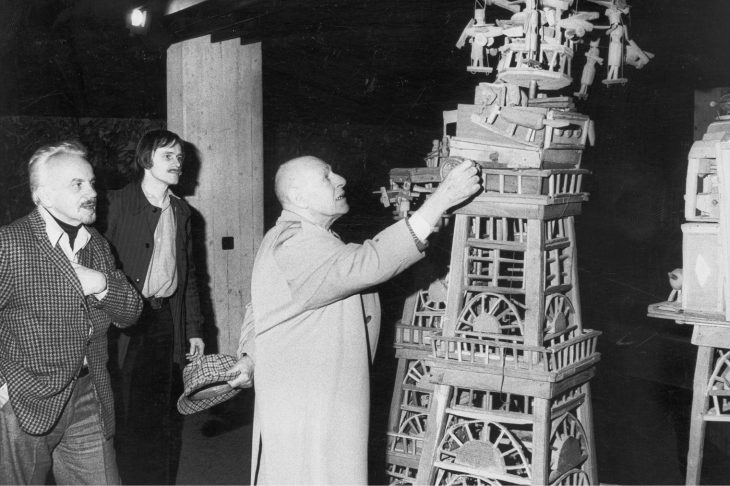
(47, 325)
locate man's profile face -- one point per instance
(323, 190)
(68, 189)
(167, 164)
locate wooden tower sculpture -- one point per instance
(701, 295)
(493, 380)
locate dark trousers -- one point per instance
(149, 428)
(75, 448)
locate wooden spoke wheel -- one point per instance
(559, 313)
(417, 375)
(414, 425)
(490, 313)
(431, 305)
(486, 446)
(568, 444)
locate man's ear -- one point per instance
(43, 196)
(298, 197)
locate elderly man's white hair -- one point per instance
(39, 161)
(289, 175)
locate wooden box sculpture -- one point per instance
(493, 381)
(701, 295)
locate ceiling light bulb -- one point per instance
(138, 17)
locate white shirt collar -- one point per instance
(57, 236)
(165, 198)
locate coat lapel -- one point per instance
(54, 253)
(86, 256)
(139, 203)
(180, 235)
(176, 218)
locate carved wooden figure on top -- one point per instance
(589, 69)
(535, 47)
(481, 36)
(531, 22)
(617, 34)
(532, 30)
(477, 53)
(553, 12)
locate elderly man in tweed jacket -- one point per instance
(59, 293)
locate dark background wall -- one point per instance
(362, 85)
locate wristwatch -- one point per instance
(421, 245)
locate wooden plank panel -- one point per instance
(541, 442)
(457, 283)
(574, 292)
(434, 430)
(535, 283)
(585, 417)
(215, 103)
(695, 451)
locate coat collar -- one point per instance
(140, 202)
(37, 224)
(54, 253)
(289, 216)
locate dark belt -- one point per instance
(83, 371)
(157, 303)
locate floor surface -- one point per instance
(217, 444)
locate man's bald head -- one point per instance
(308, 186)
(291, 175)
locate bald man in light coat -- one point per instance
(315, 331)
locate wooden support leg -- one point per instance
(434, 431)
(534, 283)
(585, 416)
(574, 292)
(703, 369)
(457, 271)
(541, 442)
(397, 401)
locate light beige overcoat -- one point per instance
(313, 330)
